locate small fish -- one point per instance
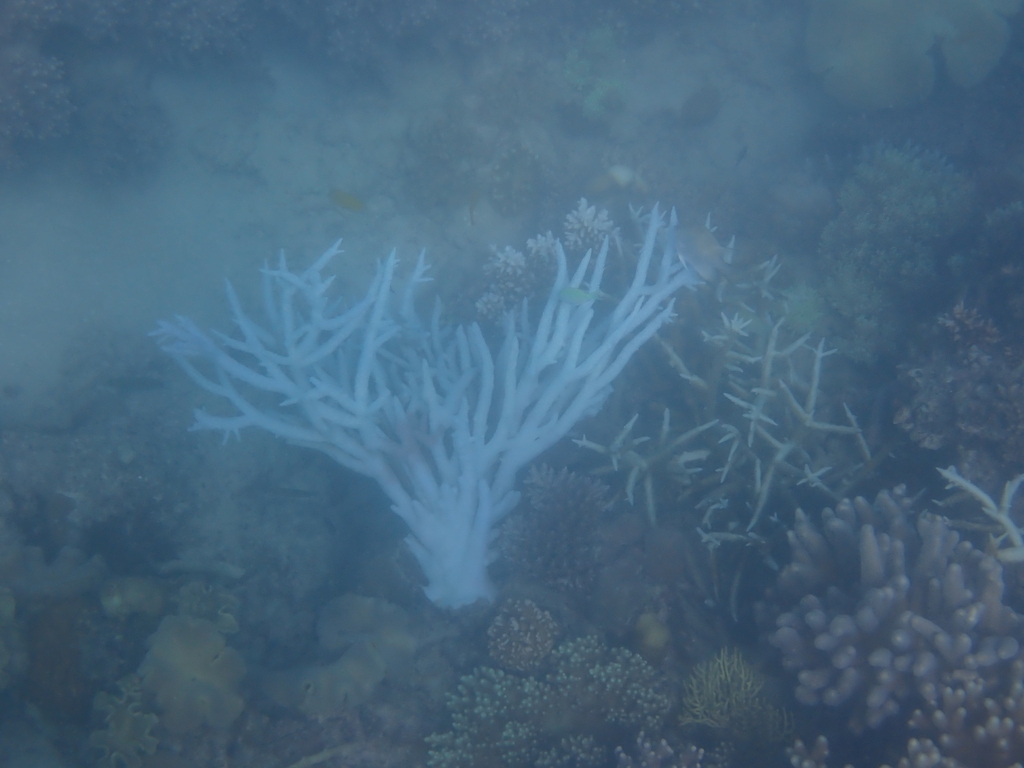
(346, 200)
(577, 296)
(697, 247)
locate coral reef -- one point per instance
(594, 697)
(884, 615)
(884, 256)
(34, 98)
(521, 636)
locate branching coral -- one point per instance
(521, 636)
(553, 537)
(881, 613)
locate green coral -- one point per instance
(887, 251)
(593, 694)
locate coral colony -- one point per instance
(430, 412)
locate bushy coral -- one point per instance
(883, 612)
(553, 537)
(595, 697)
(884, 256)
(521, 636)
(967, 390)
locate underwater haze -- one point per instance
(662, 404)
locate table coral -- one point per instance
(872, 54)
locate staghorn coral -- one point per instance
(192, 674)
(879, 614)
(521, 636)
(593, 693)
(871, 54)
(884, 255)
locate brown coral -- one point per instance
(521, 636)
(193, 674)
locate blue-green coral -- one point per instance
(888, 250)
(593, 695)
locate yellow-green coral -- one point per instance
(725, 693)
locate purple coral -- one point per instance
(884, 613)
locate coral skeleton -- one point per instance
(440, 420)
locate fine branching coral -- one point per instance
(521, 636)
(594, 698)
(725, 694)
(884, 256)
(966, 390)
(192, 674)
